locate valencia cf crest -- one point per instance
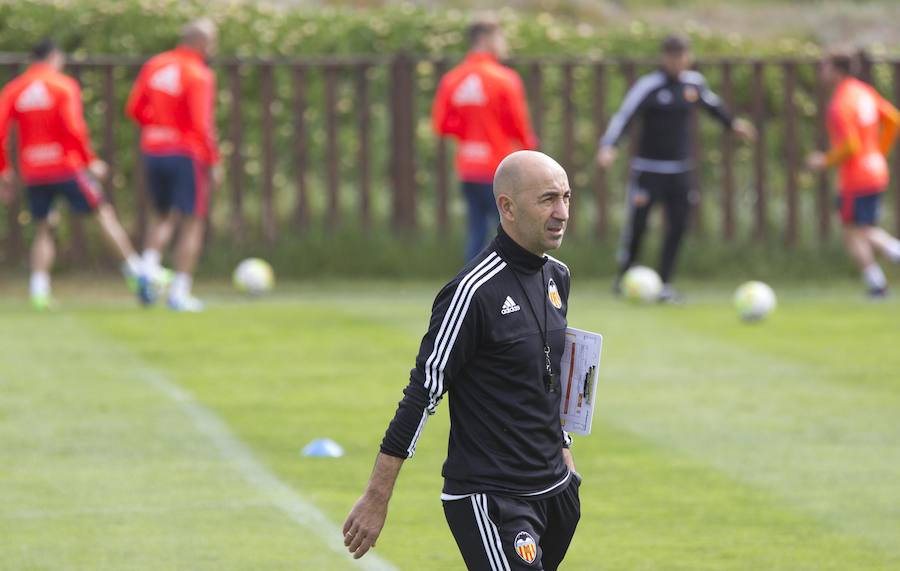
(553, 294)
(526, 547)
(691, 94)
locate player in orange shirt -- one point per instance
(55, 159)
(482, 104)
(862, 127)
(173, 100)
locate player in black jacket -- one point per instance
(661, 170)
(494, 344)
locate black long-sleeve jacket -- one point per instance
(485, 348)
(664, 103)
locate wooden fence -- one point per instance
(335, 141)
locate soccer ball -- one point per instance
(640, 283)
(754, 301)
(253, 276)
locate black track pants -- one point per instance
(506, 533)
(644, 190)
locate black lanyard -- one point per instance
(549, 378)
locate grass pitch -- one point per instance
(135, 439)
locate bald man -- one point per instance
(494, 344)
(173, 101)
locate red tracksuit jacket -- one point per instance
(482, 104)
(53, 141)
(173, 100)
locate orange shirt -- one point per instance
(173, 100)
(482, 104)
(53, 141)
(862, 127)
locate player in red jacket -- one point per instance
(173, 101)
(862, 126)
(55, 159)
(482, 104)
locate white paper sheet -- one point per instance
(580, 365)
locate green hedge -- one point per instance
(251, 28)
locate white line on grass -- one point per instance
(236, 453)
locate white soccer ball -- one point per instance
(641, 283)
(754, 301)
(254, 276)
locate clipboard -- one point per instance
(579, 374)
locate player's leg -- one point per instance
(116, 237)
(675, 192)
(496, 533)
(863, 255)
(638, 201)
(161, 172)
(43, 249)
(159, 235)
(43, 254)
(858, 216)
(884, 243)
(85, 196)
(867, 211)
(191, 199)
(479, 550)
(161, 227)
(563, 513)
(481, 211)
(187, 252)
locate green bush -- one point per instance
(256, 29)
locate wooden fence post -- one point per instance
(789, 69)
(403, 135)
(236, 162)
(269, 216)
(728, 219)
(601, 190)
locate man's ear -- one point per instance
(506, 207)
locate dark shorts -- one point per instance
(82, 192)
(177, 182)
(500, 533)
(645, 188)
(860, 210)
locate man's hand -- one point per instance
(364, 524)
(816, 161)
(99, 169)
(744, 129)
(366, 519)
(606, 156)
(7, 186)
(569, 459)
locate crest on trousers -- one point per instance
(553, 294)
(526, 547)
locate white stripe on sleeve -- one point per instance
(633, 99)
(491, 258)
(412, 445)
(465, 308)
(452, 322)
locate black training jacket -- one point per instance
(664, 104)
(484, 348)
